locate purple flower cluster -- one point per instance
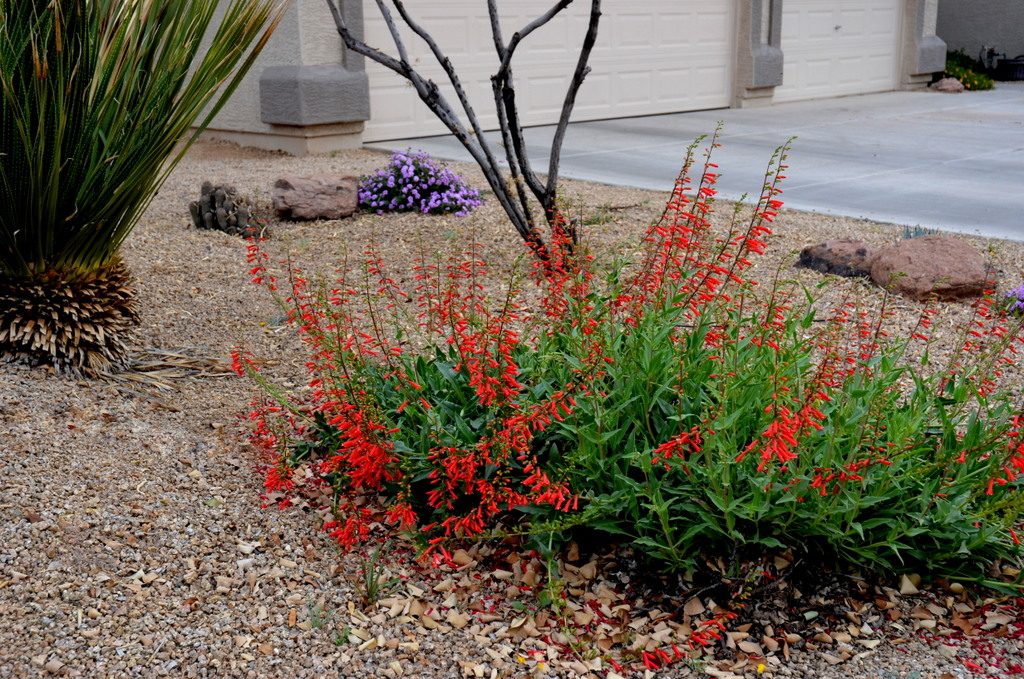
(1015, 298)
(414, 182)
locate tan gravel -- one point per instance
(132, 541)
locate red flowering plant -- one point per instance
(671, 404)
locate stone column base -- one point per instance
(754, 97)
(297, 140)
(917, 81)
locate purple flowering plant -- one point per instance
(1015, 299)
(413, 181)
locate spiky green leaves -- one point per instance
(96, 96)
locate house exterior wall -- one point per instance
(971, 25)
(307, 94)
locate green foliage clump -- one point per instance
(669, 403)
(968, 70)
(96, 97)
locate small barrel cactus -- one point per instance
(219, 207)
(918, 231)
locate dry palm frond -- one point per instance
(80, 325)
(161, 368)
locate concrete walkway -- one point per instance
(954, 162)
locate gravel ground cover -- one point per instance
(133, 543)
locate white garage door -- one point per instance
(838, 47)
(656, 56)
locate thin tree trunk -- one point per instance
(513, 195)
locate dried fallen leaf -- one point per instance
(693, 608)
(456, 619)
(462, 557)
(751, 648)
(994, 618)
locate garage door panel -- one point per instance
(674, 29)
(818, 25)
(854, 23)
(593, 98)
(635, 64)
(671, 87)
(634, 30)
(707, 28)
(850, 71)
(846, 48)
(635, 87)
(818, 73)
(703, 79)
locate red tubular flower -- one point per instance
(679, 446)
(365, 452)
(353, 526)
(258, 264)
(278, 479)
(402, 515)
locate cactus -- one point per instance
(219, 207)
(918, 231)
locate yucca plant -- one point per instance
(100, 100)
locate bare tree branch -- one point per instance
(361, 47)
(396, 36)
(453, 78)
(520, 35)
(582, 70)
(499, 106)
(472, 137)
(499, 42)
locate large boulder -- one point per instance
(316, 197)
(839, 257)
(947, 267)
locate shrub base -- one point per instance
(80, 324)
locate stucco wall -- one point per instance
(972, 24)
(305, 36)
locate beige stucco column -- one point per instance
(924, 53)
(306, 93)
(758, 52)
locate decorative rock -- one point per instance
(920, 267)
(316, 197)
(219, 207)
(951, 85)
(839, 257)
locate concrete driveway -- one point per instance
(948, 161)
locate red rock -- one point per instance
(316, 197)
(951, 85)
(839, 257)
(947, 267)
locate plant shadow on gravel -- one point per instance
(668, 405)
